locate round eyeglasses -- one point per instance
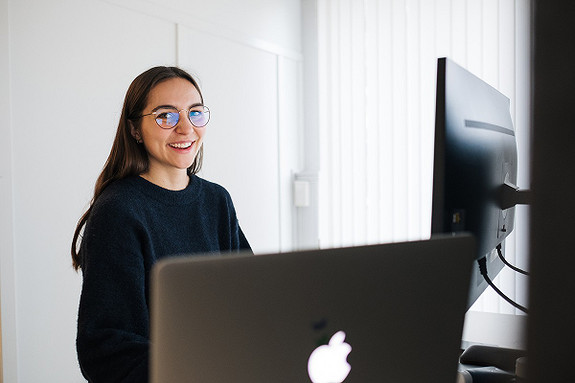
(167, 118)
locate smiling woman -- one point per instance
(173, 148)
(148, 204)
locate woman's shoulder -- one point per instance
(209, 186)
(211, 191)
(121, 188)
(120, 195)
(115, 209)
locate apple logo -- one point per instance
(328, 363)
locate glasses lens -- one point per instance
(200, 116)
(167, 120)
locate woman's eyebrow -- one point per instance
(173, 107)
(164, 107)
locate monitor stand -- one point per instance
(493, 345)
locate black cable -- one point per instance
(483, 270)
(514, 268)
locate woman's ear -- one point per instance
(135, 132)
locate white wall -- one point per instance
(7, 304)
(66, 67)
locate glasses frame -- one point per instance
(206, 111)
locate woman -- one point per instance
(148, 204)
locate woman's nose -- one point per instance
(184, 124)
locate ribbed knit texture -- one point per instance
(133, 224)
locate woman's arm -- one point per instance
(113, 318)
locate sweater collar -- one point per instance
(160, 194)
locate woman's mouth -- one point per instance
(181, 145)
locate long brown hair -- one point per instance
(127, 157)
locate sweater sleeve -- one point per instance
(243, 241)
(238, 240)
(113, 318)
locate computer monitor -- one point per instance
(475, 165)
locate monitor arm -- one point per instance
(510, 195)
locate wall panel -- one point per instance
(240, 85)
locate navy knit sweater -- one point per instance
(133, 224)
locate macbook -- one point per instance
(381, 313)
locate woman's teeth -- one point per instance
(182, 145)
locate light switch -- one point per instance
(301, 193)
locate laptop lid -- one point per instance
(382, 313)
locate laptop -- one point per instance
(382, 313)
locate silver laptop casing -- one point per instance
(240, 318)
